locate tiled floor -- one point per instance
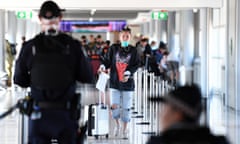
(221, 120)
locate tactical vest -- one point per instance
(51, 68)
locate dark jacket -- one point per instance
(133, 65)
(187, 134)
(75, 60)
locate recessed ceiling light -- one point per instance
(93, 11)
(90, 19)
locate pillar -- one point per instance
(187, 45)
(12, 27)
(162, 24)
(171, 30)
(2, 40)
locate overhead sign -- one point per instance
(24, 14)
(162, 15)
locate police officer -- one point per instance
(50, 64)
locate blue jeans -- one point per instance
(123, 100)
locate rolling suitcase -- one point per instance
(98, 114)
(98, 120)
(98, 123)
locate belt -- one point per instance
(54, 105)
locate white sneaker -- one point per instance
(117, 130)
(125, 134)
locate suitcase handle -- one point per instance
(102, 98)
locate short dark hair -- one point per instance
(108, 42)
(162, 45)
(83, 37)
(166, 53)
(126, 29)
(144, 39)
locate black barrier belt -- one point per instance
(9, 111)
(20, 105)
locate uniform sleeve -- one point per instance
(22, 74)
(84, 71)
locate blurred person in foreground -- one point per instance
(50, 64)
(180, 119)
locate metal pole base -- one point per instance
(149, 133)
(143, 123)
(138, 116)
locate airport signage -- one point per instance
(162, 15)
(24, 14)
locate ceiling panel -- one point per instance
(101, 14)
(116, 4)
(111, 9)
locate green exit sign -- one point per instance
(24, 15)
(162, 15)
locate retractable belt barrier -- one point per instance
(148, 85)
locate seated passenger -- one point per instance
(180, 119)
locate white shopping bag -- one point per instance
(102, 81)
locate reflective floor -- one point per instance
(222, 120)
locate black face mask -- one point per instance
(51, 32)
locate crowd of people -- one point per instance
(153, 57)
(157, 59)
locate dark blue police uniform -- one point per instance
(51, 65)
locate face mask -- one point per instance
(154, 47)
(51, 30)
(124, 44)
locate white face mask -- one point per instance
(154, 47)
(50, 26)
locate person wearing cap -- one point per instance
(123, 62)
(50, 64)
(180, 119)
